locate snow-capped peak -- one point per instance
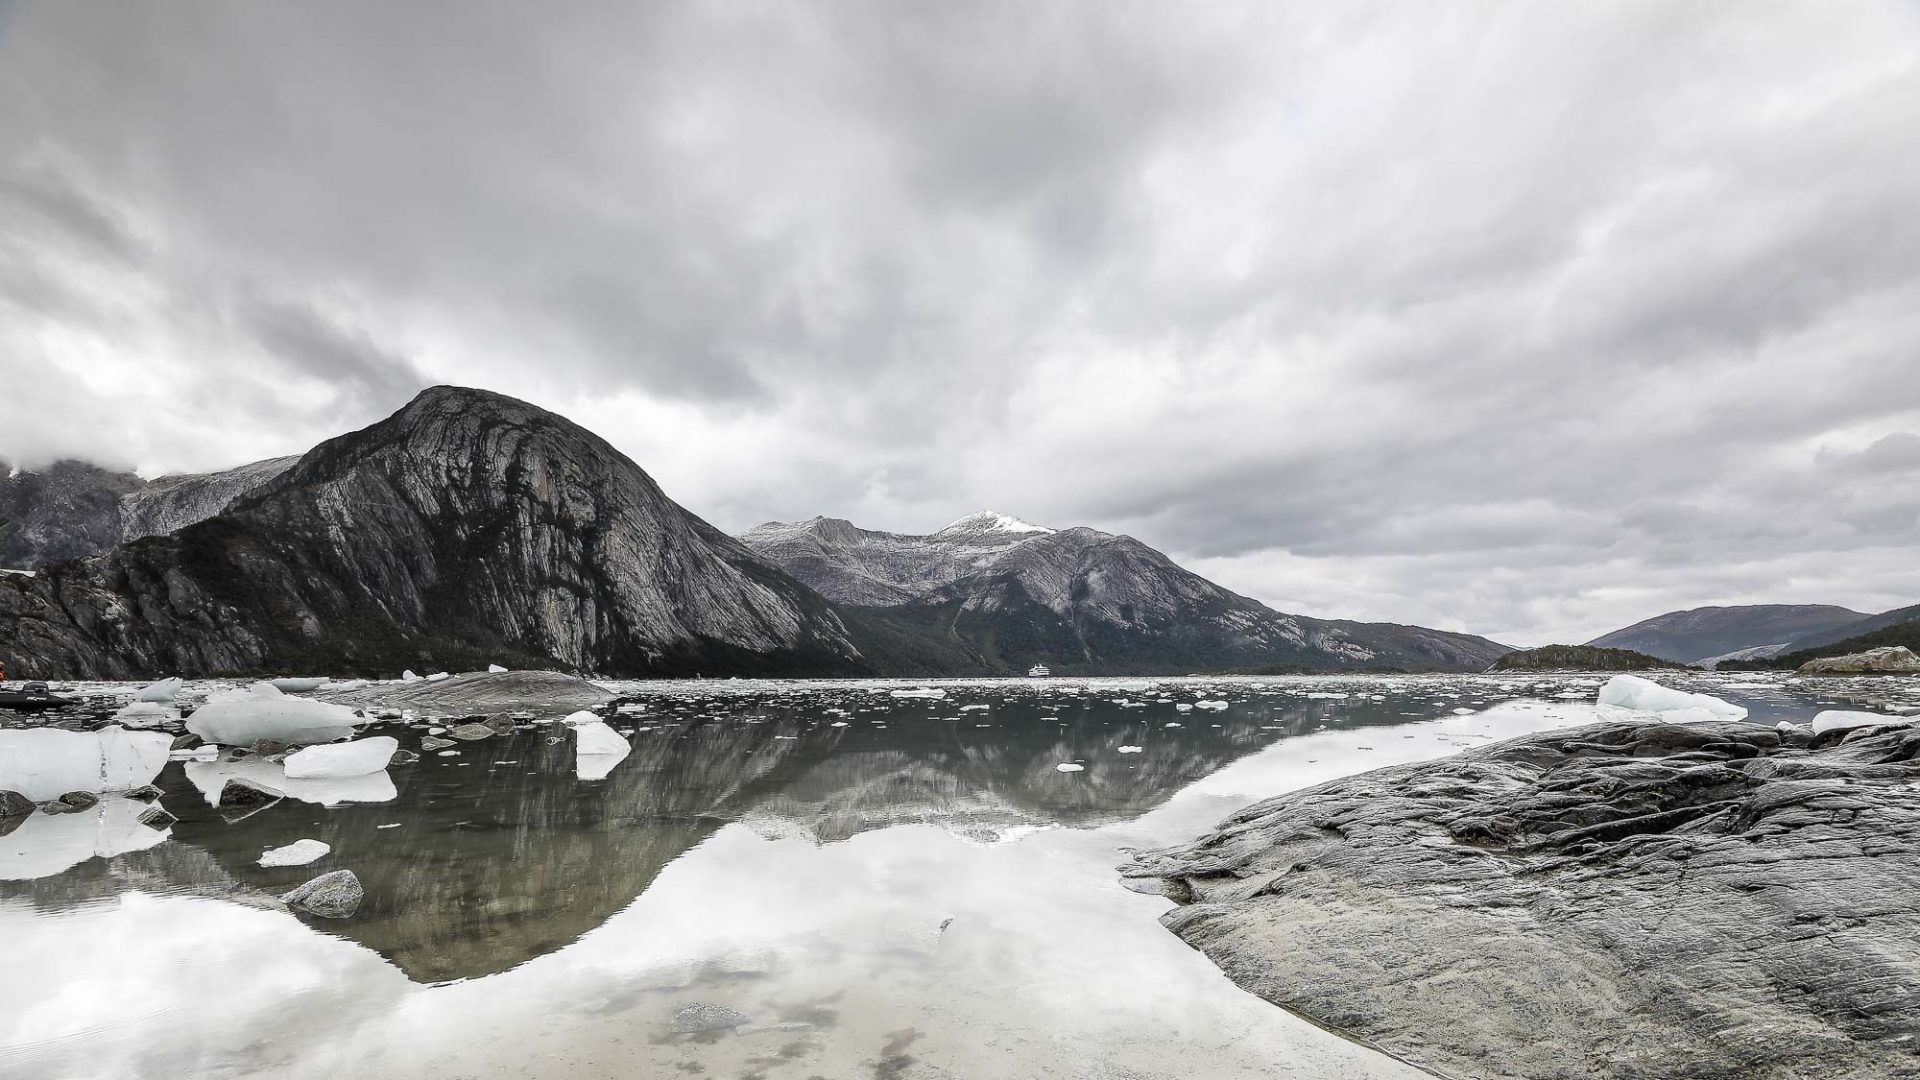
(993, 521)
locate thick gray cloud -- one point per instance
(1524, 319)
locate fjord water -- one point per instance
(882, 886)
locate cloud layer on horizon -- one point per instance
(1527, 320)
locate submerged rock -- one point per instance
(238, 798)
(435, 742)
(1625, 899)
(1891, 660)
(336, 895)
(72, 803)
(471, 732)
(700, 1018)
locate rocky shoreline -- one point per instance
(1625, 899)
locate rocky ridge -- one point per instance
(466, 528)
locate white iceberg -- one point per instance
(495, 669)
(145, 714)
(597, 748)
(409, 676)
(356, 758)
(45, 763)
(48, 844)
(161, 692)
(298, 853)
(1844, 720)
(261, 711)
(932, 692)
(1068, 766)
(1671, 706)
(438, 676)
(297, 686)
(581, 718)
(211, 776)
(1130, 749)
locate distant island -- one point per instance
(1580, 658)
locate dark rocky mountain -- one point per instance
(1579, 658)
(993, 594)
(68, 510)
(1905, 634)
(1708, 632)
(467, 527)
(72, 510)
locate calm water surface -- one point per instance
(886, 887)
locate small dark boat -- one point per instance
(32, 697)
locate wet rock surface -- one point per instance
(699, 1018)
(335, 895)
(1890, 660)
(1622, 900)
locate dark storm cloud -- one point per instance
(1527, 319)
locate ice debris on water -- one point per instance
(298, 853)
(47, 844)
(932, 692)
(145, 714)
(46, 763)
(297, 686)
(1068, 766)
(496, 669)
(597, 749)
(262, 711)
(211, 778)
(409, 676)
(356, 758)
(1846, 720)
(1671, 706)
(1130, 749)
(161, 692)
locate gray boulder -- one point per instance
(72, 803)
(13, 805)
(700, 1018)
(334, 895)
(1618, 900)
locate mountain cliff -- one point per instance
(1708, 632)
(468, 526)
(72, 509)
(990, 593)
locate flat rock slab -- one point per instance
(1618, 900)
(543, 693)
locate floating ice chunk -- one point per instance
(343, 687)
(1216, 706)
(597, 749)
(145, 714)
(581, 718)
(1068, 766)
(438, 676)
(1130, 749)
(975, 708)
(161, 692)
(47, 844)
(261, 711)
(922, 692)
(1844, 720)
(1463, 712)
(1672, 706)
(46, 763)
(298, 853)
(838, 723)
(297, 686)
(496, 669)
(409, 676)
(357, 758)
(211, 776)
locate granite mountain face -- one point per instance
(993, 594)
(467, 526)
(71, 509)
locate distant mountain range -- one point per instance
(470, 528)
(991, 593)
(1757, 633)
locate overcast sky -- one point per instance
(1526, 319)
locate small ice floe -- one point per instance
(356, 758)
(1184, 707)
(597, 749)
(297, 686)
(1130, 749)
(298, 853)
(409, 676)
(145, 714)
(261, 711)
(1671, 706)
(389, 825)
(975, 708)
(1216, 706)
(211, 778)
(1845, 720)
(1068, 766)
(581, 718)
(933, 692)
(161, 692)
(1463, 712)
(1173, 723)
(438, 676)
(838, 723)
(46, 763)
(496, 669)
